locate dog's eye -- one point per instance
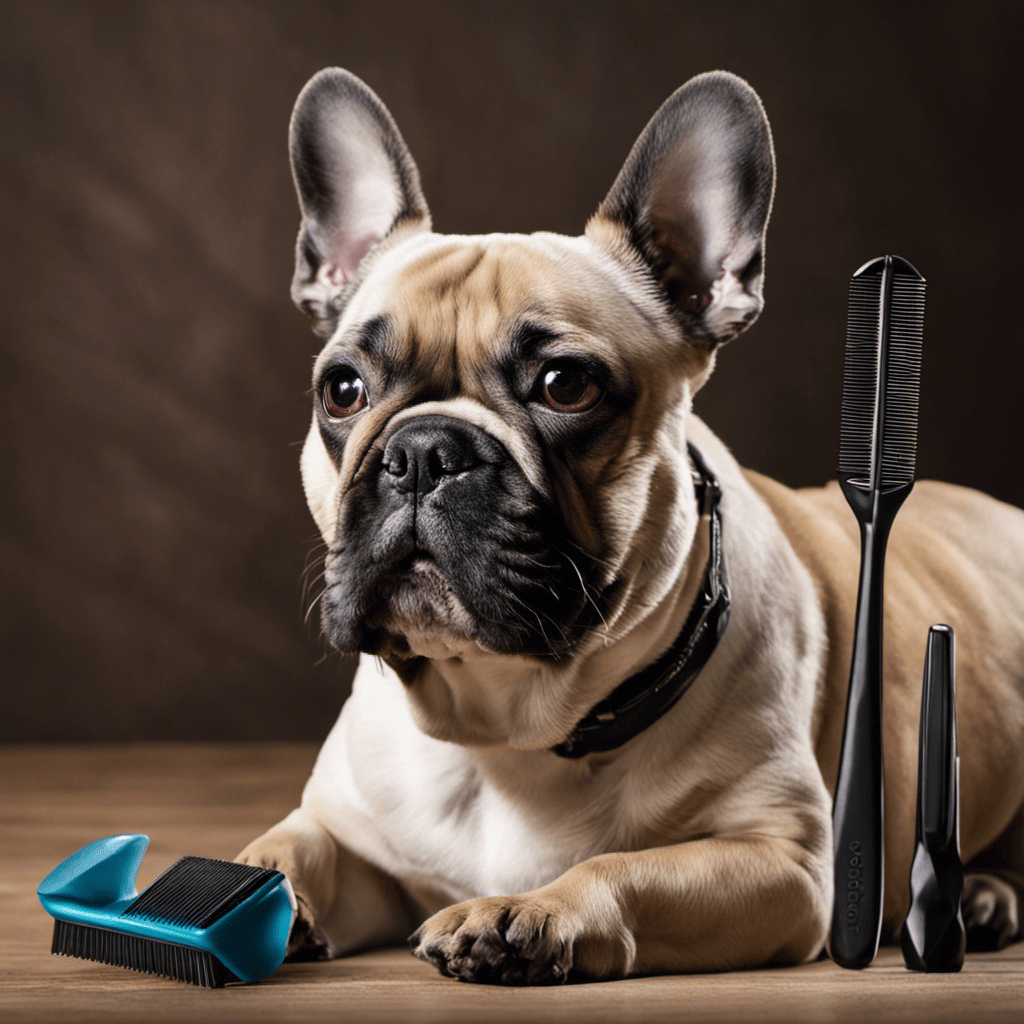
(566, 386)
(344, 393)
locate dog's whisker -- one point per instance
(590, 556)
(586, 592)
(306, 591)
(307, 580)
(315, 602)
(537, 615)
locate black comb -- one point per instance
(877, 456)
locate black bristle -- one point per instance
(885, 325)
(860, 377)
(168, 959)
(196, 891)
(903, 387)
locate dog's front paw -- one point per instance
(498, 940)
(307, 940)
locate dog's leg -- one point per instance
(344, 903)
(710, 904)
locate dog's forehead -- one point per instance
(455, 302)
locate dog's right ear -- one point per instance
(356, 183)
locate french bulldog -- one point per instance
(500, 465)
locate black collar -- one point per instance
(643, 698)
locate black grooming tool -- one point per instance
(933, 936)
(877, 452)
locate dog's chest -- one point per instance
(429, 814)
(467, 838)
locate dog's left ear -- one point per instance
(692, 201)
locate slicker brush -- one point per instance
(204, 921)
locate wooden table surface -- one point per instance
(212, 799)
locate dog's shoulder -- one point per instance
(941, 524)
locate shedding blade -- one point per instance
(882, 376)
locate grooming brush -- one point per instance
(933, 936)
(202, 921)
(877, 449)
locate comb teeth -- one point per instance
(150, 956)
(884, 336)
(196, 891)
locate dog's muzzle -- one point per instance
(444, 532)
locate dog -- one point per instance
(505, 469)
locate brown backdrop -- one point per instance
(155, 372)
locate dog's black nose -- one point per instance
(425, 450)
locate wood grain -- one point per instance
(211, 799)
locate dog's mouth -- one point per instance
(421, 605)
(419, 614)
(415, 591)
